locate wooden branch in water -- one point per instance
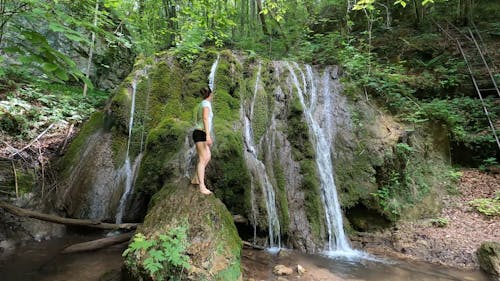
(248, 244)
(66, 221)
(98, 244)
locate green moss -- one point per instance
(26, 180)
(227, 172)
(313, 204)
(74, 152)
(354, 174)
(303, 153)
(233, 272)
(261, 112)
(166, 94)
(163, 142)
(118, 147)
(120, 106)
(208, 219)
(279, 175)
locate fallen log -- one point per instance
(97, 244)
(248, 244)
(66, 221)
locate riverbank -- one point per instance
(455, 242)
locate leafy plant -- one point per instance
(162, 257)
(30, 108)
(488, 162)
(388, 196)
(440, 222)
(487, 206)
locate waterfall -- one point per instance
(128, 170)
(259, 175)
(211, 77)
(320, 124)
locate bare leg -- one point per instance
(204, 157)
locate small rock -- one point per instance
(282, 279)
(282, 270)
(300, 270)
(283, 253)
(488, 256)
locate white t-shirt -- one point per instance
(199, 116)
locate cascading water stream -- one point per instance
(337, 241)
(211, 77)
(258, 170)
(128, 170)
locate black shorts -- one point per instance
(199, 135)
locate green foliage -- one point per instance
(162, 257)
(440, 222)
(463, 116)
(455, 175)
(35, 48)
(487, 206)
(389, 82)
(32, 108)
(451, 180)
(388, 197)
(487, 163)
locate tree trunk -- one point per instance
(170, 15)
(262, 17)
(418, 12)
(91, 49)
(66, 221)
(98, 244)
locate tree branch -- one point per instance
(66, 221)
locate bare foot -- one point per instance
(205, 191)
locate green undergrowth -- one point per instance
(164, 256)
(487, 206)
(31, 107)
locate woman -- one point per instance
(202, 138)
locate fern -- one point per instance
(164, 256)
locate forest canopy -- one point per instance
(395, 52)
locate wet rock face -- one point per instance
(488, 256)
(213, 247)
(95, 168)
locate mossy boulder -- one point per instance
(488, 256)
(213, 244)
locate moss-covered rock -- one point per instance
(488, 256)
(370, 149)
(303, 153)
(213, 244)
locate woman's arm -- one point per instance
(206, 124)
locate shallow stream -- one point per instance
(42, 261)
